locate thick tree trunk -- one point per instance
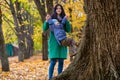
(3, 54)
(98, 55)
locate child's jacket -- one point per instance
(58, 29)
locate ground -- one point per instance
(31, 69)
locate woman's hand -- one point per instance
(47, 17)
(66, 16)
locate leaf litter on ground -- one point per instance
(31, 69)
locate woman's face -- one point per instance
(58, 10)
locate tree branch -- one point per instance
(7, 2)
(4, 6)
(41, 8)
(8, 20)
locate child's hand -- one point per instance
(47, 17)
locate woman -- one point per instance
(56, 52)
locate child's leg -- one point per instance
(51, 67)
(60, 65)
(67, 42)
(72, 46)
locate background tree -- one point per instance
(30, 21)
(3, 55)
(23, 28)
(26, 28)
(41, 7)
(98, 55)
(18, 31)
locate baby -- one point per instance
(58, 29)
(55, 21)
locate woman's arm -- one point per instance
(67, 26)
(45, 26)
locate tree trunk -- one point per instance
(27, 30)
(22, 43)
(31, 32)
(18, 32)
(49, 4)
(21, 49)
(42, 13)
(29, 40)
(30, 44)
(98, 55)
(22, 30)
(41, 8)
(3, 54)
(44, 46)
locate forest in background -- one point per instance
(28, 10)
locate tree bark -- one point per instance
(49, 4)
(42, 13)
(22, 30)
(27, 30)
(30, 44)
(98, 55)
(29, 40)
(30, 32)
(44, 46)
(18, 32)
(3, 54)
(41, 8)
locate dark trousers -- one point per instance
(52, 65)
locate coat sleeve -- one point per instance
(45, 26)
(67, 26)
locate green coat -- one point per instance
(54, 49)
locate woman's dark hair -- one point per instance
(54, 16)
